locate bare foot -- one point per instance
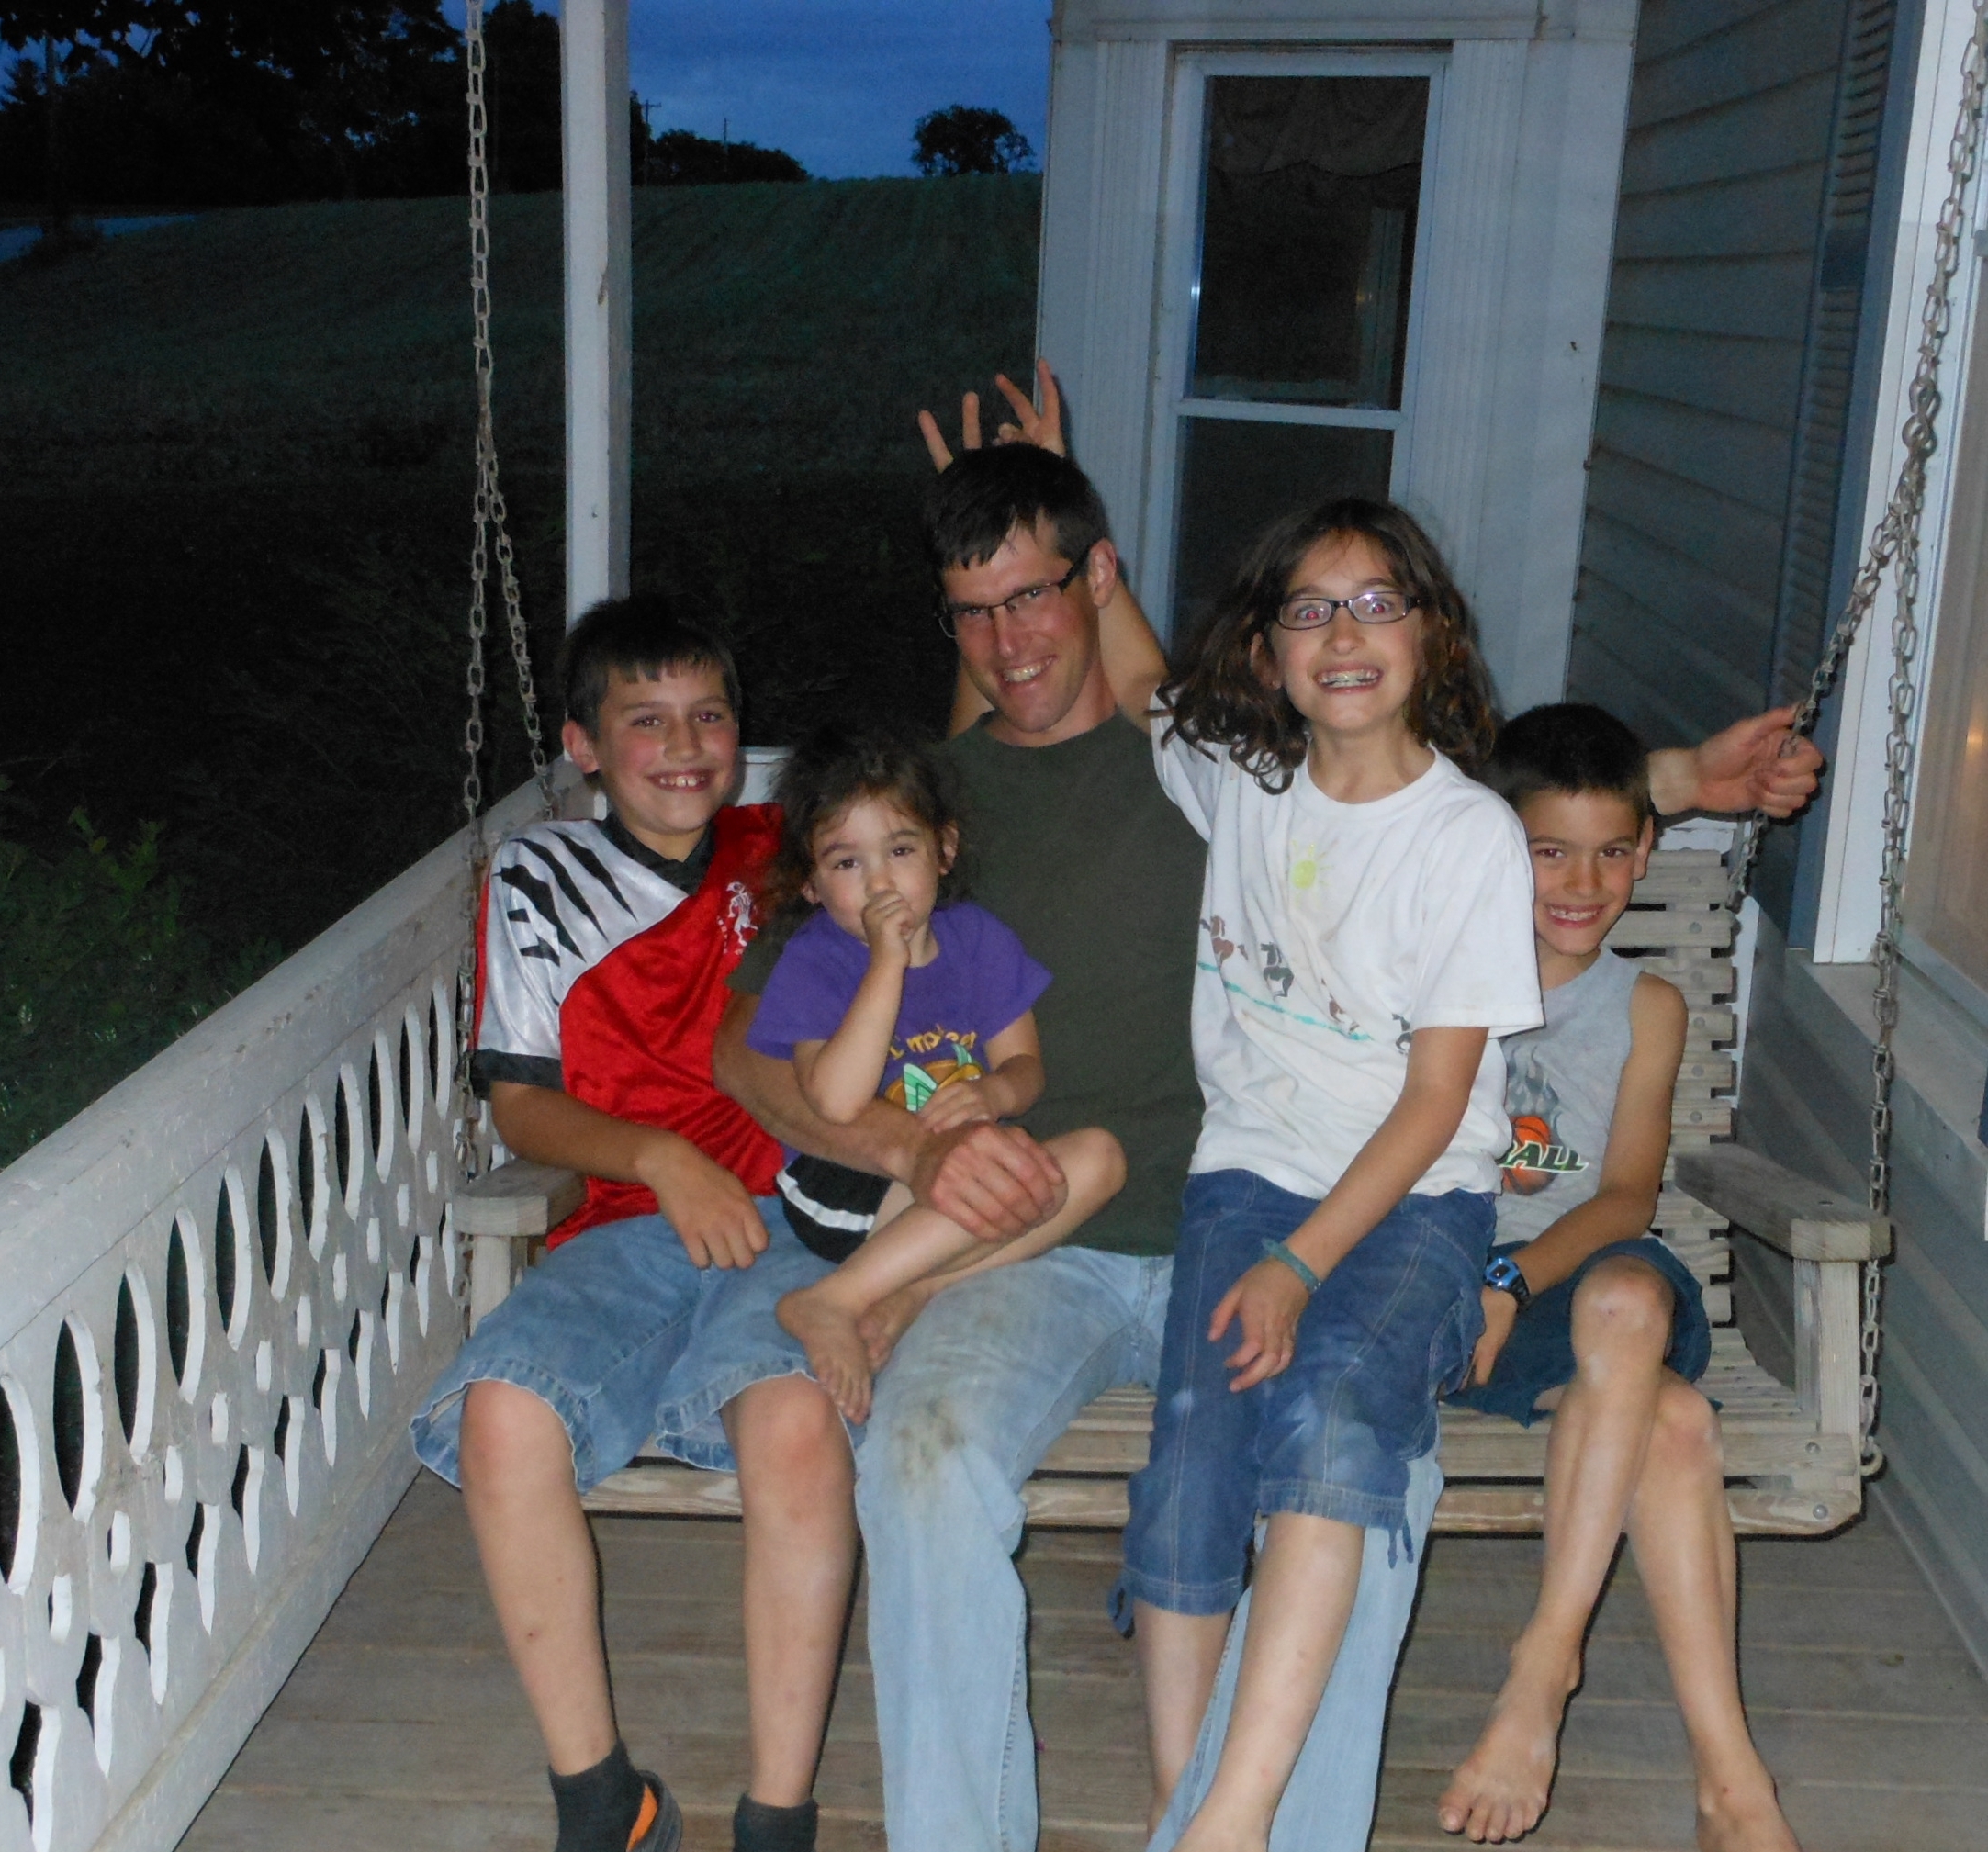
(835, 1347)
(1500, 1790)
(1743, 1816)
(890, 1318)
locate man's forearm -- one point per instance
(884, 1140)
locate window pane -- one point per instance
(1308, 238)
(1238, 476)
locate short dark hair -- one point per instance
(1221, 699)
(837, 765)
(983, 496)
(640, 637)
(1572, 749)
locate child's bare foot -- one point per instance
(891, 1317)
(1743, 1816)
(1500, 1790)
(835, 1350)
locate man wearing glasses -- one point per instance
(1077, 848)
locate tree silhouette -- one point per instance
(963, 140)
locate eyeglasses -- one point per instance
(1308, 611)
(954, 618)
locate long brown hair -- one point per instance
(1220, 698)
(839, 766)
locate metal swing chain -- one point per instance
(1896, 538)
(489, 513)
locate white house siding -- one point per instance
(1686, 576)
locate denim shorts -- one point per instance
(1539, 1354)
(1393, 1325)
(600, 1330)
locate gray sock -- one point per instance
(755, 1827)
(598, 1807)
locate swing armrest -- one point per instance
(519, 1198)
(1806, 1220)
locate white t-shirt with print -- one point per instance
(1331, 931)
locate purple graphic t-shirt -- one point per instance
(980, 982)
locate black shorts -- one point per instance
(831, 1207)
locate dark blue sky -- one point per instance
(838, 84)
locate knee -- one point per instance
(508, 1432)
(786, 1433)
(914, 1460)
(1687, 1428)
(1623, 1303)
(1106, 1157)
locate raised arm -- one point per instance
(1756, 764)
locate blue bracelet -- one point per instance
(1281, 1250)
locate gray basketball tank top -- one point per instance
(1560, 1084)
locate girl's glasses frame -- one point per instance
(1313, 612)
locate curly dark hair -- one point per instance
(1221, 699)
(834, 768)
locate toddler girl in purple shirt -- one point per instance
(892, 988)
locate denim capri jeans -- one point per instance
(1332, 1436)
(1539, 1354)
(626, 1341)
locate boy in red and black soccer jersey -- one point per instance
(605, 946)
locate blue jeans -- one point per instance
(1332, 1435)
(613, 1332)
(988, 1376)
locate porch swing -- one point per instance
(1795, 1459)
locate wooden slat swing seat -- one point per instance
(1795, 1459)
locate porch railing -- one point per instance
(223, 1288)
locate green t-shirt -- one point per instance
(1078, 852)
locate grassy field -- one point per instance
(235, 477)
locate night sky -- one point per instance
(838, 84)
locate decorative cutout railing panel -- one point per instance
(223, 1288)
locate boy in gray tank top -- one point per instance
(1588, 1315)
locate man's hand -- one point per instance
(958, 1103)
(1044, 427)
(994, 1181)
(711, 1211)
(1756, 764)
(1267, 1301)
(1500, 1313)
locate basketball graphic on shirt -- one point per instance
(1536, 1156)
(920, 1079)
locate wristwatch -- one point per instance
(1501, 1275)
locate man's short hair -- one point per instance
(640, 637)
(983, 496)
(1572, 749)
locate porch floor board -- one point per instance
(402, 1726)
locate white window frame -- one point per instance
(1847, 904)
(1180, 265)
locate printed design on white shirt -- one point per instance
(1278, 977)
(1536, 1156)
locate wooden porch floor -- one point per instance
(403, 1728)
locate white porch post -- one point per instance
(593, 47)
